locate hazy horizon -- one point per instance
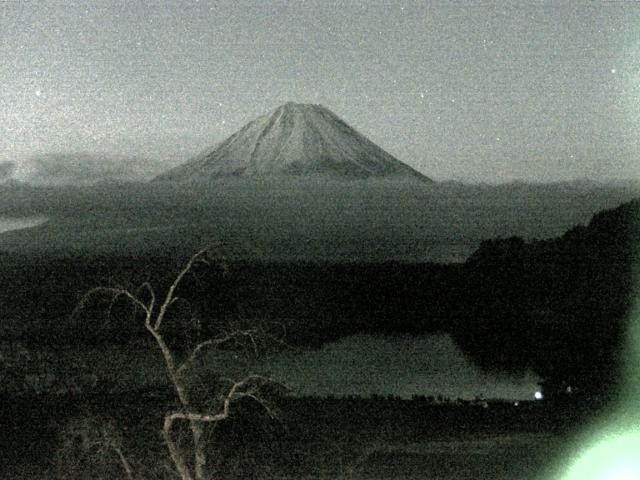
(39, 170)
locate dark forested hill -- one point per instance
(559, 306)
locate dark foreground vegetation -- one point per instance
(49, 437)
(558, 307)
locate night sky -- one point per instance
(469, 91)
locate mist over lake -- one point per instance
(8, 223)
(299, 218)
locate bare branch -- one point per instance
(220, 340)
(192, 356)
(278, 339)
(169, 299)
(235, 392)
(253, 344)
(267, 407)
(152, 303)
(124, 462)
(115, 293)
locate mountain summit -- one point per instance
(294, 139)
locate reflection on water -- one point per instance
(398, 365)
(360, 365)
(12, 223)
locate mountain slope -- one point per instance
(295, 139)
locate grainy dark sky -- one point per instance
(474, 91)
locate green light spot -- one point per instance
(613, 451)
(615, 458)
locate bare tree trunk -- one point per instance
(174, 452)
(200, 458)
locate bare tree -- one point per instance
(155, 310)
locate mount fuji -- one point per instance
(294, 140)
